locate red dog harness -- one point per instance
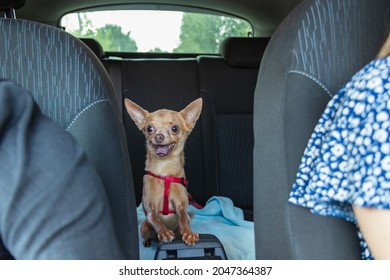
(168, 180)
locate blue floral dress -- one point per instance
(347, 159)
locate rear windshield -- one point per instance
(155, 31)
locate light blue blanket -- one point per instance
(221, 218)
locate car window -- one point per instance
(155, 30)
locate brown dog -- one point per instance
(165, 198)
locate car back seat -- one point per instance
(219, 150)
(230, 80)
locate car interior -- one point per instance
(262, 96)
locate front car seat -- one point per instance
(313, 53)
(71, 86)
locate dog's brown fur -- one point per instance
(161, 128)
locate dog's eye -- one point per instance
(149, 129)
(175, 129)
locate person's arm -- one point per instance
(375, 226)
(53, 204)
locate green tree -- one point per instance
(110, 36)
(157, 50)
(85, 28)
(201, 33)
(234, 27)
(198, 34)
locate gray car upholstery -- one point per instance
(72, 87)
(230, 80)
(313, 53)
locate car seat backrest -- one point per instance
(72, 87)
(313, 53)
(221, 146)
(230, 80)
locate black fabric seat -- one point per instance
(72, 87)
(314, 52)
(230, 80)
(219, 151)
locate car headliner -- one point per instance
(265, 15)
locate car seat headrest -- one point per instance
(243, 52)
(95, 46)
(7, 7)
(16, 4)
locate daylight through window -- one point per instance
(155, 31)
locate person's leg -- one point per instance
(52, 202)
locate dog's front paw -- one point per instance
(147, 243)
(166, 236)
(190, 238)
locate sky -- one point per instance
(150, 29)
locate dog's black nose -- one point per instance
(159, 138)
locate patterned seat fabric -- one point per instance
(318, 47)
(72, 87)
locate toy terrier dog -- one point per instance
(165, 198)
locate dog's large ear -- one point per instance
(136, 112)
(192, 112)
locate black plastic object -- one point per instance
(207, 248)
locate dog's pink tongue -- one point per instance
(162, 151)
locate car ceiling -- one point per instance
(264, 15)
